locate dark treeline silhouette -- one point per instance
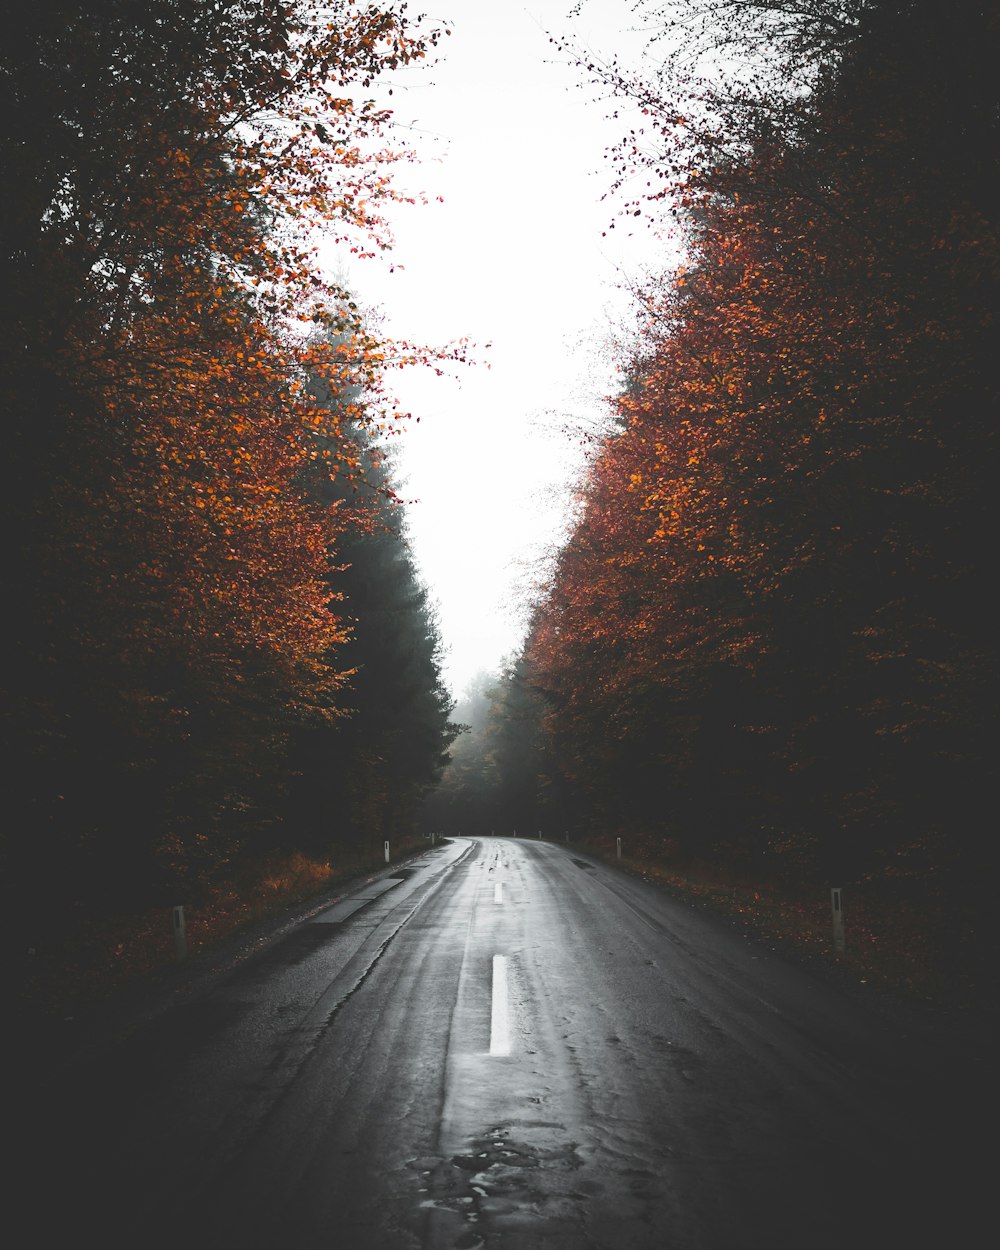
(370, 767)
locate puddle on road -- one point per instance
(506, 1180)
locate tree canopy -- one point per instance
(767, 641)
(172, 591)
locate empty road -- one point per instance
(508, 1045)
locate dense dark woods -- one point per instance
(219, 656)
(768, 644)
(369, 767)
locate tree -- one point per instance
(463, 802)
(366, 771)
(766, 630)
(168, 569)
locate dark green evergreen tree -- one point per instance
(364, 773)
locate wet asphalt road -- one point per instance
(632, 1073)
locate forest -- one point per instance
(767, 645)
(223, 672)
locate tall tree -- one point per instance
(772, 604)
(364, 772)
(172, 614)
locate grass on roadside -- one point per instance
(107, 953)
(897, 943)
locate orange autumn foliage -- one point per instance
(169, 166)
(766, 635)
(202, 537)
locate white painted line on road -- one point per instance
(498, 892)
(499, 1022)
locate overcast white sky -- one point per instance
(514, 257)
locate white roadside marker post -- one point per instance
(386, 845)
(838, 918)
(618, 847)
(180, 933)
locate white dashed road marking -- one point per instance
(499, 1023)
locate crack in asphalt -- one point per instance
(239, 1128)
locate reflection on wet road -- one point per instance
(513, 1047)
